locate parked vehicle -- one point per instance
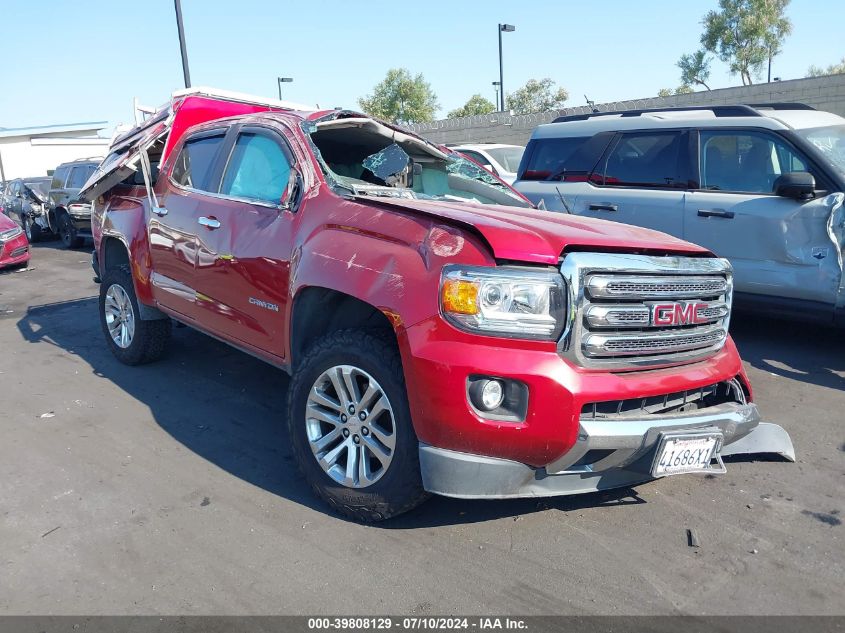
(759, 185)
(442, 335)
(14, 248)
(501, 160)
(26, 200)
(68, 216)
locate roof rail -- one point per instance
(718, 111)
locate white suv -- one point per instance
(760, 185)
(501, 160)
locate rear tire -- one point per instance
(68, 232)
(384, 480)
(132, 340)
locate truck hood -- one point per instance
(533, 235)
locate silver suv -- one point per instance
(760, 185)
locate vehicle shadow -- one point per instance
(809, 353)
(229, 408)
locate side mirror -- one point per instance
(799, 185)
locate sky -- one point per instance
(85, 61)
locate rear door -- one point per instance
(243, 261)
(779, 247)
(175, 233)
(640, 180)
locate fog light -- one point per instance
(492, 394)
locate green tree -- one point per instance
(833, 69)
(537, 96)
(475, 105)
(695, 69)
(746, 33)
(680, 90)
(401, 98)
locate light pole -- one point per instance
(496, 85)
(283, 80)
(503, 28)
(185, 71)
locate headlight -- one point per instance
(504, 301)
(10, 234)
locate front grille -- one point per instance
(630, 311)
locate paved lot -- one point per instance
(170, 489)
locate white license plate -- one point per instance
(685, 454)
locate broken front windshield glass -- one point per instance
(364, 157)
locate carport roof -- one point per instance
(39, 130)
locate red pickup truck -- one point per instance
(443, 336)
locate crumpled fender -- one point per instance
(765, 438)
(836, 233)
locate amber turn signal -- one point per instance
(460, 296)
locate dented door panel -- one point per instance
(778, 246)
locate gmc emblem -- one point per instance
(677, 313)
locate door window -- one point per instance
(195, 162)
(746, 161)
(78, 176)
(645, 159)
(59, 178)
(258, 169)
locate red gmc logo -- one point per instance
(677, 313)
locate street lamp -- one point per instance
(503, 28)
(496, 85)
(283, 80)
(182, 47)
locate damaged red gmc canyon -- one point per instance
(443, 336)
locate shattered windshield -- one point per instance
(830, 141)
(368, 159)
(40, 187)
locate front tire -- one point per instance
(350, 426)
(132, 340)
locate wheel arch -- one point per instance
(317, 311)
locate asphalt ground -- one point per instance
(170, 489)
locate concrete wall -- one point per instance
(823, 93)
(25, 156)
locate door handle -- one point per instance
(603, 207)
(211, 223)
(716, 213)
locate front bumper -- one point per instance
(627, 449)
(14, 252)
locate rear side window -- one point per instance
(550, 157)
(195, 162)
(59, 178)
(644, 159)
(78, 176)
(258, 169)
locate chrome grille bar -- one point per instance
(598, 345)
(639, 315)
(614, 287)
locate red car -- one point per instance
(14, 247)
(443, 335)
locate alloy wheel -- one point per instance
(120, 317)
(350, 426)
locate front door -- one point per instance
(779, 247)
(243, 257)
